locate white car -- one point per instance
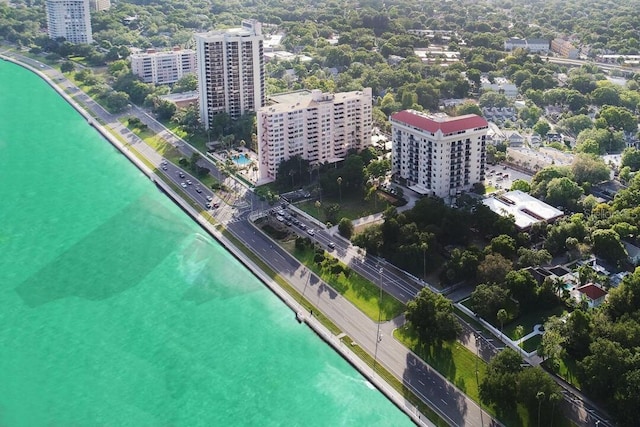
(311, 232)
(183, 185)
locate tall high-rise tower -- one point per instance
(69, 19)
(230, 71)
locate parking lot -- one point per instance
(501, 177)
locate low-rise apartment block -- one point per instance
(164, 67)
(564, 48)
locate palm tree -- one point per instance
(540, 396)
(519, 333)
(339, 181)
(502, 316)
(554, 398)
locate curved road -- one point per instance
(446, 399)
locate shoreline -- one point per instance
(298, 311)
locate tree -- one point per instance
(188, 83)
(500, 384)
(631, 159)
(522, 286)
(493, 268)
(116, 102)
(345, 228)
(163, 108)
(486, 300)
(339, 181)
(502, 317)
(520, 184)
(607, 244)
(563, 192)
(603, 370)
(431, 317)
(619, 118)
(532, 258)
(492, 99)
(576, 124)
(468, 108)
(542, 127)
(518, 333)
(503, 245)
(67, 67)
(552, 345)
(589, 169)
(541, 179)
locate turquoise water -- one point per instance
(241, 160)
(116, 309)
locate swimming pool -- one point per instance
(241, 160)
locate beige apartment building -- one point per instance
(230, 71)
(164, 67)
(320, 127)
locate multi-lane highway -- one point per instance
(450, 402)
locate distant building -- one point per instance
(182, 100)
(533, 45)
(592, 293)
(499, 85)
(320, 127)
(164, 67)
(69, 19)
(99, 5)
(230, 71)
(525, 209)
(564, 48)
(437, 154)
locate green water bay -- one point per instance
(117, 309)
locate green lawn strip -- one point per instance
(471, 321)
(458, 365)
(566, 369)
(395, 383)
(350, 207)
(283, 283)
(356, 289)
(453, 360)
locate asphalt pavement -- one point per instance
(445, 398)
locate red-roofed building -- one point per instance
(437, 154)
(593, 294)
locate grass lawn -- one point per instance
(566, 369)
(454, 361)
(156, 142)
(351, 208)
(529, 320)
(532, 343)
(358, 290)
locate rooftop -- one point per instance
(592, 291)
(526, 210)
(303, 98)
(443, 123)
